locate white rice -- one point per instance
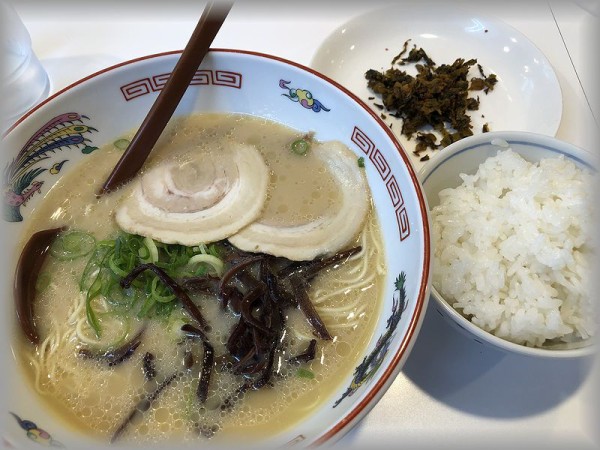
(513, 249)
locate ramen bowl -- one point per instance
(58, 136)
(447, 170)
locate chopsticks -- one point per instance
(167, 101)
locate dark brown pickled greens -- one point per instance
(435, 100)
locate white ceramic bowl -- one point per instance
(114, 101)
(443, 171)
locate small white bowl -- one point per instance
(464, 157)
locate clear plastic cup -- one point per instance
(23, 80)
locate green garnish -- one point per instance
(160, 292)
(361, 161)
(72, 244)
(300, 146)
(149, 252)
(42, 282)
(89, 310)
(122, 144)
(93, 283)
(204, 258)
(305, 373)
(114, 259)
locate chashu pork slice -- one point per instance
(202, 200)
(325, 234)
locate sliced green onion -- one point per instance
(176, 256)
(213, 250)
(121, 144)
(72, 244)
(89, 310)
(117, 296)
(149, 252)
(361, 161)
(93, 266)
(155, 292)
(114, 259)
(213, 261)
(174, 323)
(144, 254)
(147, 306)
(114, 266)
(115, 330)
(164, 309)
(305, 373)
(94, 281)
(42, 282)
(300, 146)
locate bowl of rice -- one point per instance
(513, 220)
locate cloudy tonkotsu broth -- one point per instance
(97, 398)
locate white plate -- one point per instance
(527, 96)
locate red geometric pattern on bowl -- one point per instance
(201, 77)
(365, 143)
(394, 191)
(380, 163)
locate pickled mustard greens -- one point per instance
(437, 97)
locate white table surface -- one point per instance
(452, 392)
